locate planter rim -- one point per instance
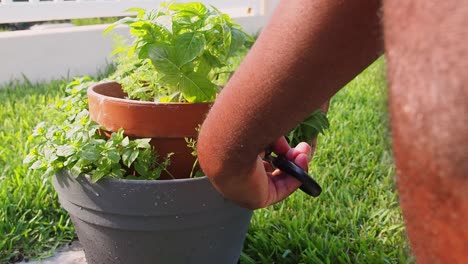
(146, 182)
(92, 92)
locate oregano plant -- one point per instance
(74, 142)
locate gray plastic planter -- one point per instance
(172, 221)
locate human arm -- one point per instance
(308, 51)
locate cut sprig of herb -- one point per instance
(315, 124)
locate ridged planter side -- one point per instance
(129, 221)
(168, 124)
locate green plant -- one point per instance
(310, 128)
(356, 220)
(181, 52)
(75, 142)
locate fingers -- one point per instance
(300, 155)
(281, 146)
(301, 148)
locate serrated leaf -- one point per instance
(197, 88)
(189, 46)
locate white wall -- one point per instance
(42, 55)
(34, 10)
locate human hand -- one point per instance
(264, 186)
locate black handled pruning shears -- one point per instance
(309, 185)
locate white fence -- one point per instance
(46, 54)
(34, 10)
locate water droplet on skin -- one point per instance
(97, 194)
(155, 203)
(203, 205)
(177, 217)
(165, 202)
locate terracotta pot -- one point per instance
(167, 124)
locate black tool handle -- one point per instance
(309, 185)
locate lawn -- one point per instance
(355, 220)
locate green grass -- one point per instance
(32, 223)
(94, 21)
(355, 220)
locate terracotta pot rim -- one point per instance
(92, 92)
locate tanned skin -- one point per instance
(310, 50)
(427, 57)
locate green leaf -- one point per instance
(125, 142)
(309, 129)
(90, 153)
(212, 60)
(129, 156)
(162, 59)
(227, 40)
(143, 143)
(204, 65)
(189, 46)
(140, 11)
(171, 98)
(29, 158)
(65, 151)
(237, 41)
(76, 169)
(36, 165)
(196, 8)
(110, 28)
(141, 169)
(113, 155)
(97, 175)
(197, 88)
